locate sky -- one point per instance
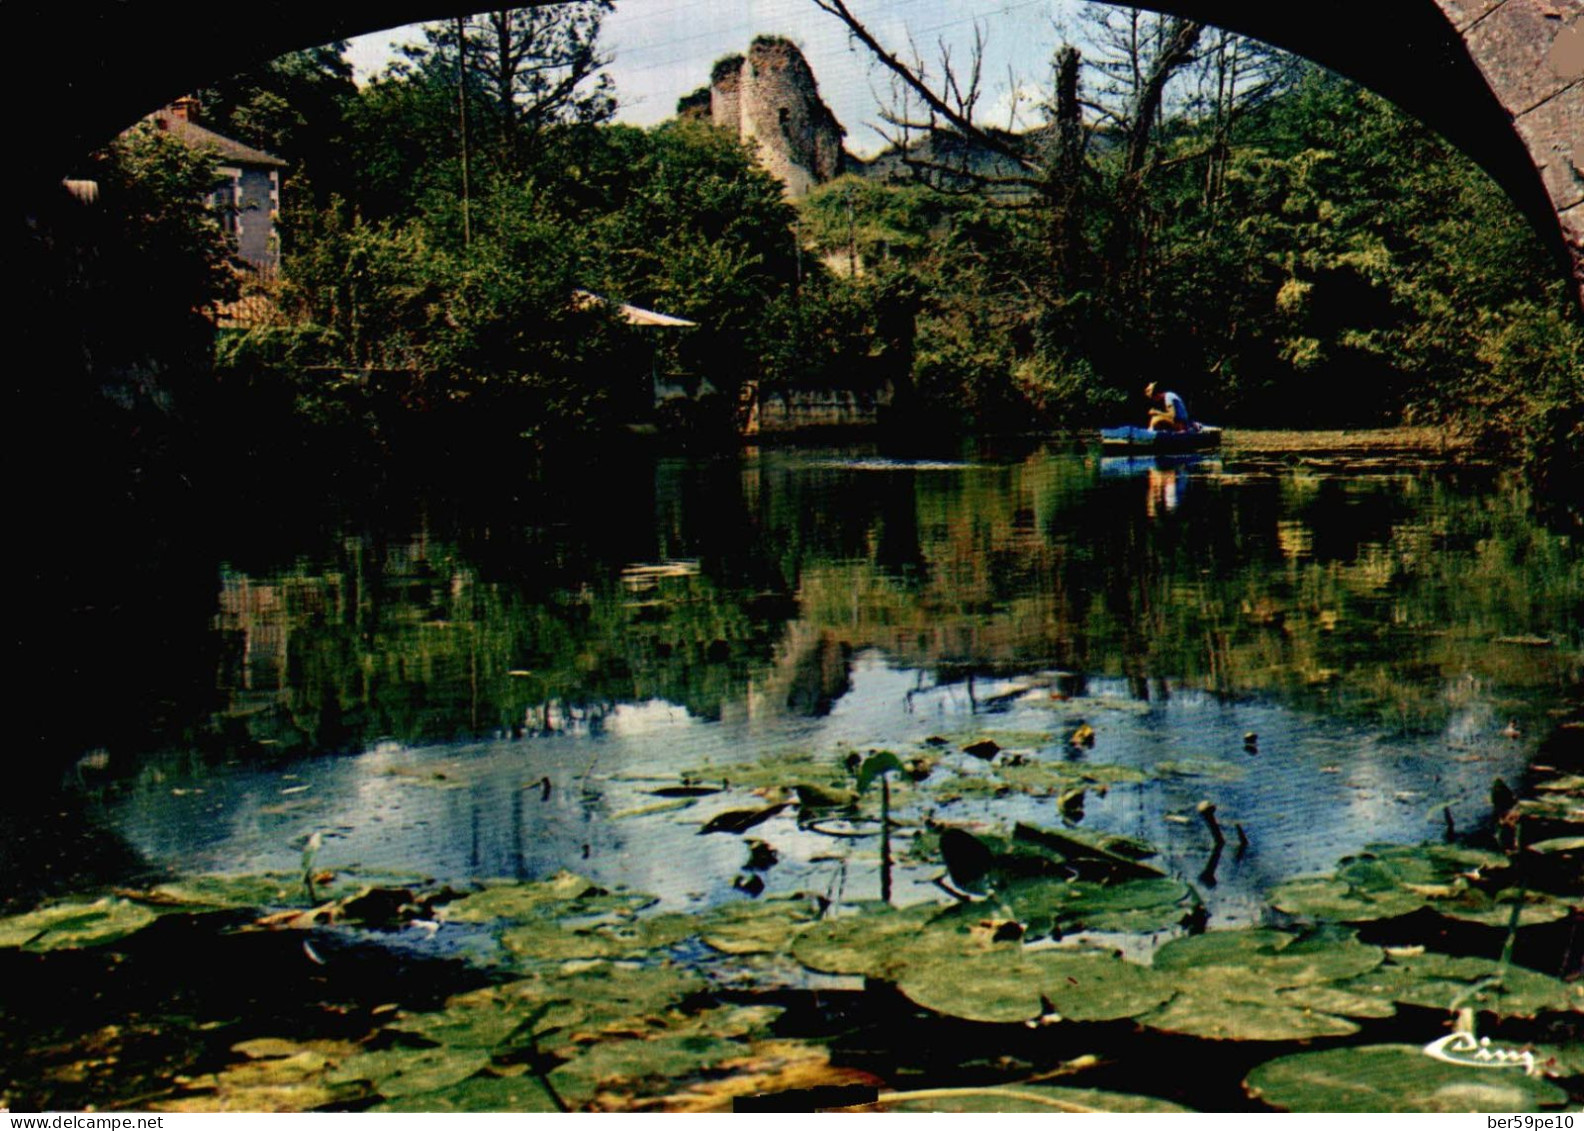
(662, 49)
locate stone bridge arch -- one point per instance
(1502, 80)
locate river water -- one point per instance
(473, 690)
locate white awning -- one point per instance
(633, 315)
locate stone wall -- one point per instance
(784, 410)
(770, 97)
(726, 93)
(1531, 53)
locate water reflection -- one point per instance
(1166, 478)
(1385, 596)
(1377, 631)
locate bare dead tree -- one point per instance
(947, 106)
(1234, 75)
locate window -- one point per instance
(222, 202)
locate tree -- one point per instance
(152, 261)
(528, 70)
(696, 228)
(295, 107)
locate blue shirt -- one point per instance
(1179, 410)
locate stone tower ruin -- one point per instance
(769, 97)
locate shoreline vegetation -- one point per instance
(1277, 245)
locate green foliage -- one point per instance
(483, 304)
(1302, 255)
(295, 107)
(1318, 260)
(122, 289)
(1526, 397)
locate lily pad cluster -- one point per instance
(567, 918)
(946, 966)
(588, 1036)
(1266, 985)
(1467, 884)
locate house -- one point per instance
(247, 198)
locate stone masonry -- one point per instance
(769, 97)
(1531, 53)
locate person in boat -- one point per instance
(1170, 413)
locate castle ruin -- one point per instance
(769, 97)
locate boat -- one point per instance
(1144, 441)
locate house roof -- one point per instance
(229, 151)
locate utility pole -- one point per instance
(852, 237)
(461, 34)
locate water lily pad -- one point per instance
(762, 927)
(1210, 769)
(216, 890)
(550, 941)
(1045, 777)
(1020, 1098)
(398, 1072)
(1568, 783)
(1475, 906)
(877, 765)
(278, 1076)
(765, 1067)
(1203, 1009)
(483, 1019)
(263, 1048)
(650, 932)
(1120, 856)
(773, 771)
(480, 1019)
(554, 1004)
(1393, 1078)
(1384, 866)
(1219, 948)
(639, 1062)
(1264, 985)
(1437, 981)
(1325, 954)
(874, 943)
(1047, 906)
(1391, 880)
(608, 993)
(483, 1093)
(297, 1065)
(218, 1095)
(1326, 899)
(1033, 778)
(657, 807)
(1558, 844)
(1131, 906)
(811, 795)
(1009, 983)
(563, 894)
(67, 926)
(1560, 807)
(1332, 999)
